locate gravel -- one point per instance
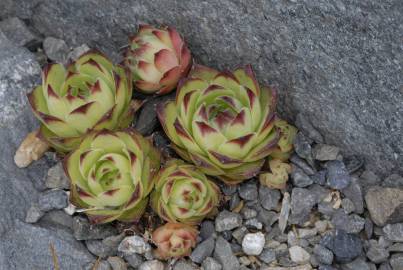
(52, 199)
(211, 264)
(299, 255)
(227, 221)
(203, 250)
(223, 254)
(253, 243)
(337, 175)
(134, 244)
(394, 232)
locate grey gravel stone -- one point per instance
(239, 234)
(296, 160)
(325, 152)
(234, 201)
(269, 198)
(56, 49)
(83, 230)
(224, 255)
(207, 229)
(354, 193)
(268, 218)
(348, 205)
(385, 266)
(394, 232)
(357, 264)
(302, 146)
(34, 214)
(323, 255)
(101, 265)
(369, 228)
(248, 190)
(385, 205)
(56, 177)
(349, 223)
(57, 218)
(300, 178)
(134, 260)
(98, 248)
(299, 255)
(377, 254)
(134, 244)
(337, 175)
(393, 181)
(253, 243)
(152, 265)
(302, 201)
(211, 264)
(267, 256)
(185, 265)
(227, 221)
(203, 250)
(248, 213)
(319, 177)
(52, 199)
(117, 263)
(17, 32)
(346, 247)
(253, 223)
(396, 261)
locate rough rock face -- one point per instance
(338, 62)
(23, 246)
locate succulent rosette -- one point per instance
(157, 58)
(223, 122)
(183, 194)
(89, 94)
(111, 175)
(174, 240)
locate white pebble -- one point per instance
(253, 243)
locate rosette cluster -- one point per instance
(224, 123)
(157, 58)
(184, 194)
(111, 175)
(89, 94)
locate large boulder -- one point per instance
(337, 62)
(24, 246)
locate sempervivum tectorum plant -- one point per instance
(277, 174)
(223, 122)
(89, 94)
(111, 175)
(184, 194)
(174, 240)
(158, 58)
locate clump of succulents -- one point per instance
(111, 175)
(89, 94)
(174, 240)
(224, 122)
(184, 194)
(157, 58)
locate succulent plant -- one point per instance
(111, 175)
(277, 177)
(157, 58)
(174, 240)
(89, 94)
(223, 122)
(183, 194)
